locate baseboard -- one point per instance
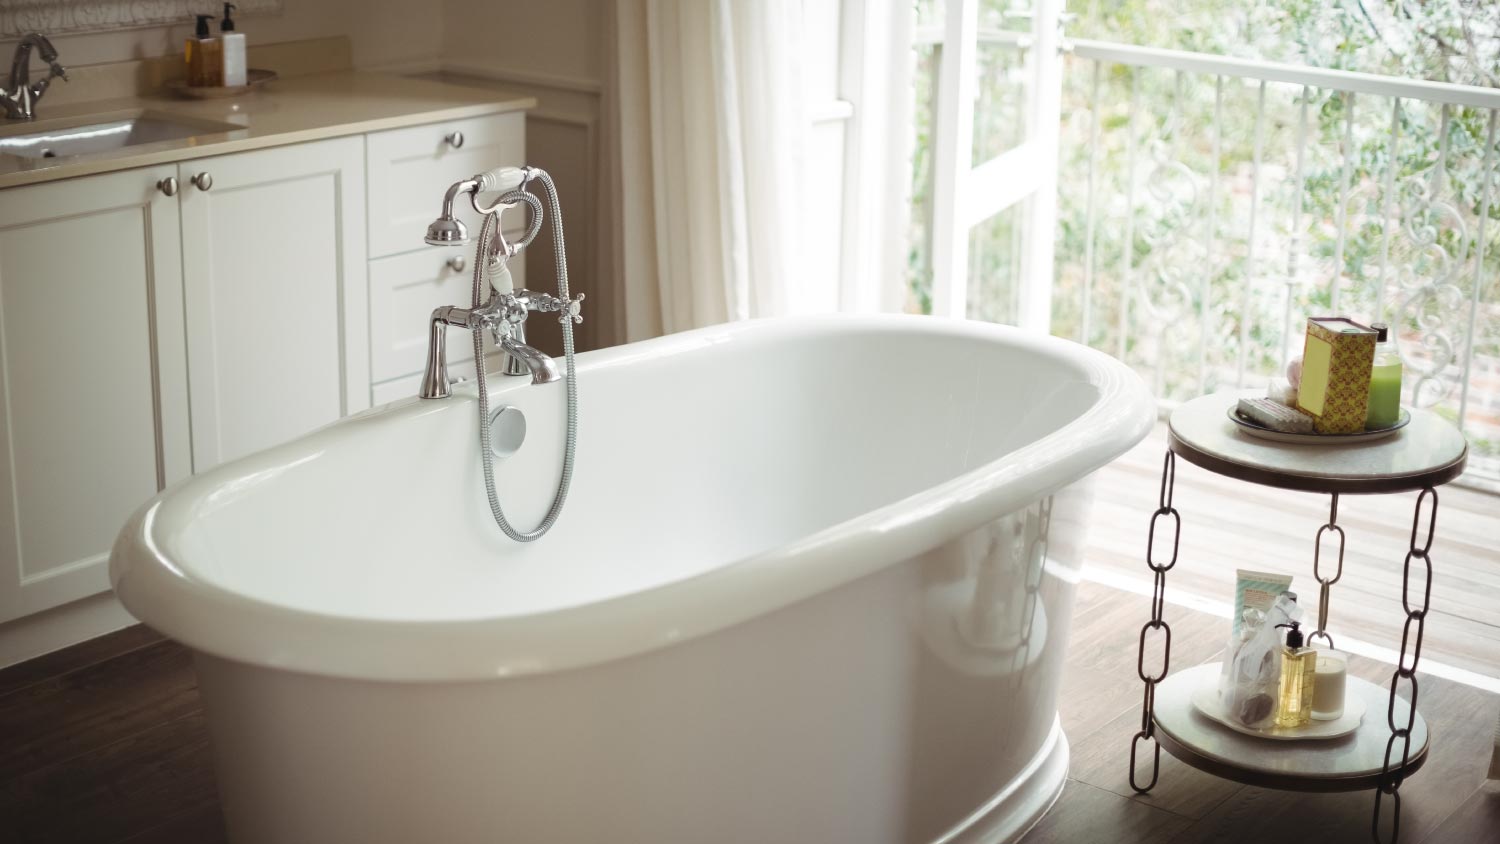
(60, 627)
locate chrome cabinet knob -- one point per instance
(455, 139)
(456, 263)
(168, 186)
(203, 181)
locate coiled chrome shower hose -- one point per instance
(487, 232)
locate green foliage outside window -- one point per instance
(1165, 273)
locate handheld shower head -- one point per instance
(447, 230)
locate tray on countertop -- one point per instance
(1255, 429)
(254, 78)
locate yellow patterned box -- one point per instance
(1336, 360)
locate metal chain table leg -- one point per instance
(1158, 602)
(1392, 772)
(1325, 583)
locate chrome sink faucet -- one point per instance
(20, 95)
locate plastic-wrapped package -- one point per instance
(1248, 690)
(1239, 635)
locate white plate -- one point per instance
(1206, 700)
(1255, 429)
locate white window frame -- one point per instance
(964, 195)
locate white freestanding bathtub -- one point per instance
(812, 584)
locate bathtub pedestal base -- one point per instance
(1013, 812)
(823, 722)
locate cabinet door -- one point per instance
(274, 273)
(92, 374)
(411, 168)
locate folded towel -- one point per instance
(1276, 416)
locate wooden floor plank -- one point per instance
(117, 790)
(1086, 814)
(204, 825)
(57, 663)
(1476, 821)
(91, 707)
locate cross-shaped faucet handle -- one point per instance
(574, 310)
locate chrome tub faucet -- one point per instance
(20, 95)
(505, 310)
(504, 315)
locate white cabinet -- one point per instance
(149, 331)
(273, 248)
(94, 386)
(409, 169)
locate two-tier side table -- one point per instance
(1391, 742)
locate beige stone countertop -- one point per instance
(285, 111)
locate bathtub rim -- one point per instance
(211, 618)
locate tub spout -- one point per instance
(543, 369)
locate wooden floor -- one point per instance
(106, 742)
(1228, 524)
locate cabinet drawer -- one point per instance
(410, 169)
(404, 290)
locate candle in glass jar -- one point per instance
(1329, 674)
(1384, 409)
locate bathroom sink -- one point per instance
(70, 138)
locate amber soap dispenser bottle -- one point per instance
(1298, 666)
(205, 56)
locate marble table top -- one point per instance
(1349, 763)
(1427, 452)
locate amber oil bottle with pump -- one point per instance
(1298, 665)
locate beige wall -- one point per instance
(561, 39)
(383, 32)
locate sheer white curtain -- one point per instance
(712, 131)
